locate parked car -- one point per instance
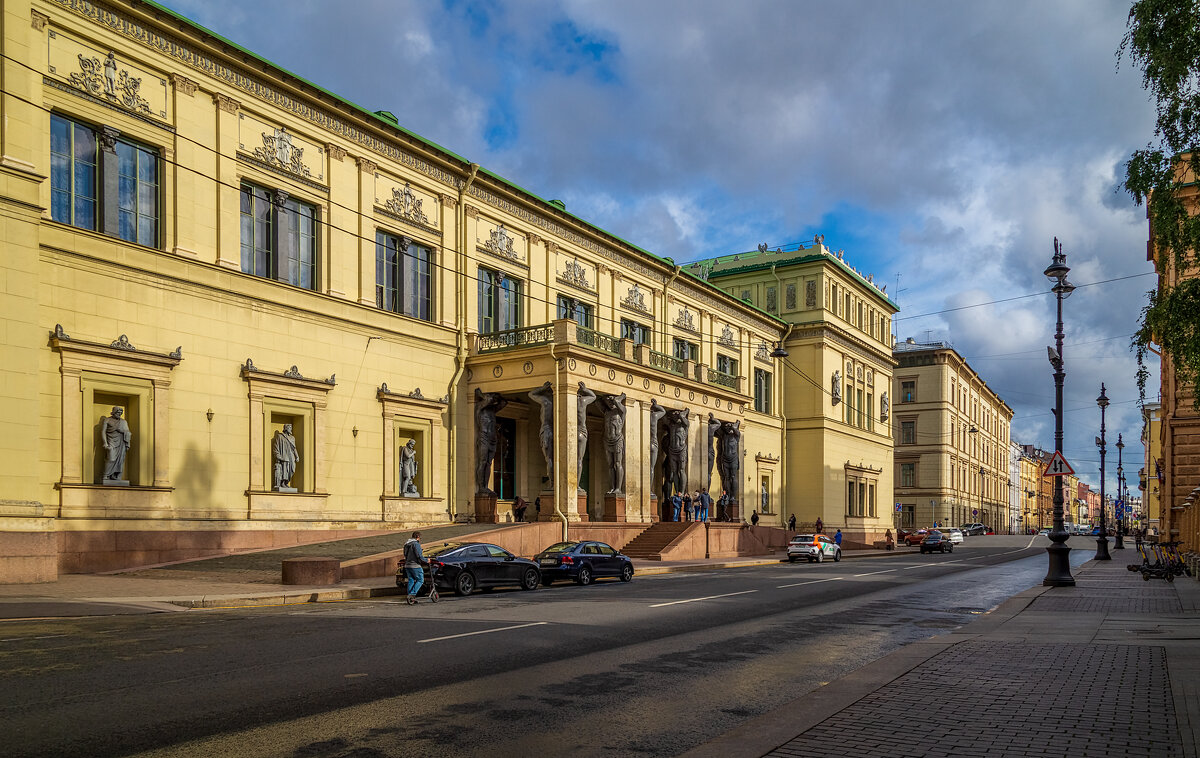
(1044, 533)
(935, 540)
(467, 566)
(813, 547)
(583, 561)
(973, 529)
(952, 533)
(1096, 530)
(914, 538)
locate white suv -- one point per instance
(814, 547)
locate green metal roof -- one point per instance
(756, 261)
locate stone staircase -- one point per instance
(651, 542)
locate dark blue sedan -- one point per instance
(582, 562)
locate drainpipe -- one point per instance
(782, 414)
(558, 378)
(460, 358)
(665, 347)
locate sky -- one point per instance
(942, 145)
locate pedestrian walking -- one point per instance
(754, 518)
(676, 506)
(837, 538)
(723, 503)
(687, 507)
(889, 540)
(537, 509)
(414, 566)
(820, 525)
(520, 505)
(698, 504)
(792, 523)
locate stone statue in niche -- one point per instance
(837, 387)
(729, 456)
(885, 407)
(656, 414)
(677, 450)
(487, 405)
(614, 440)
(408, 470)
(586, 398)
(544, 396)
(114, 432)
(284, 457)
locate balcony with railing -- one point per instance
(568, 332)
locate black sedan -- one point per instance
(935, 540)
(465, 566)
(583, 562)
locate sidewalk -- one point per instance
(1110, 667)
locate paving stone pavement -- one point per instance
(1107, 668)
(1108, 700)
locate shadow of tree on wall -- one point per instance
(195, 480)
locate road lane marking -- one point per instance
(814, 581)
(698, 599)
(871, 573)
(485, 631)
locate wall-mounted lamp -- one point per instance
(354, 431)
(209, 414)
(779, 352)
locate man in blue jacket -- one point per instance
(414, 563)
(676, 505)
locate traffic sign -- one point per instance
(1058, 466)
(898, 508)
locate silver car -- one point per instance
(813, 547)
(953, 533)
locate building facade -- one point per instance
(1150, 477)
(951, 433)
(836, 379)
(242, 312)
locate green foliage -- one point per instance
(1163, 39)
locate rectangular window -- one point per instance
(908, 432)
(581, 313)
(908, 517)
(908, 475)
(686, 351)
(85, 179)
(870, 412)
(727, 365)
(402, 275)
(632, 330)
(501, 305)
(762, 390)
(851, 497)
(137, 194)
(860, 422)
(871, 509)
(279, 237)
(908, 392)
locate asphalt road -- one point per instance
(653, 667)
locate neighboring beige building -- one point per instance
(221, 249)
(836, 380)
(1032, 484)
(951, 433)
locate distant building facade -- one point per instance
(837, 402)
(951, 433)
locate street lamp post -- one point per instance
(1119, 544)
(1058, 573)
(1102, 540)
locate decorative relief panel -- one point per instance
(501, 242)
(810, 294)
(635, 300)
(686, 320)
(789, 298)
(104, 76)
(280, 150)
(727, 337)
(575, 274)
(403, 201)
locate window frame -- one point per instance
(283, 259)
(572, 307)
(636, 331)
(908, 425)
(762, 390)
(408, 270)
(500, 311)
(685, 350)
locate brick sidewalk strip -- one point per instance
(1021, 700)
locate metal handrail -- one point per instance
(666, 362)
(598, 340)
(508, 339)
(724, 380)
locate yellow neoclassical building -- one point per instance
(242, 312)
(836, 378)
(952, 440)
